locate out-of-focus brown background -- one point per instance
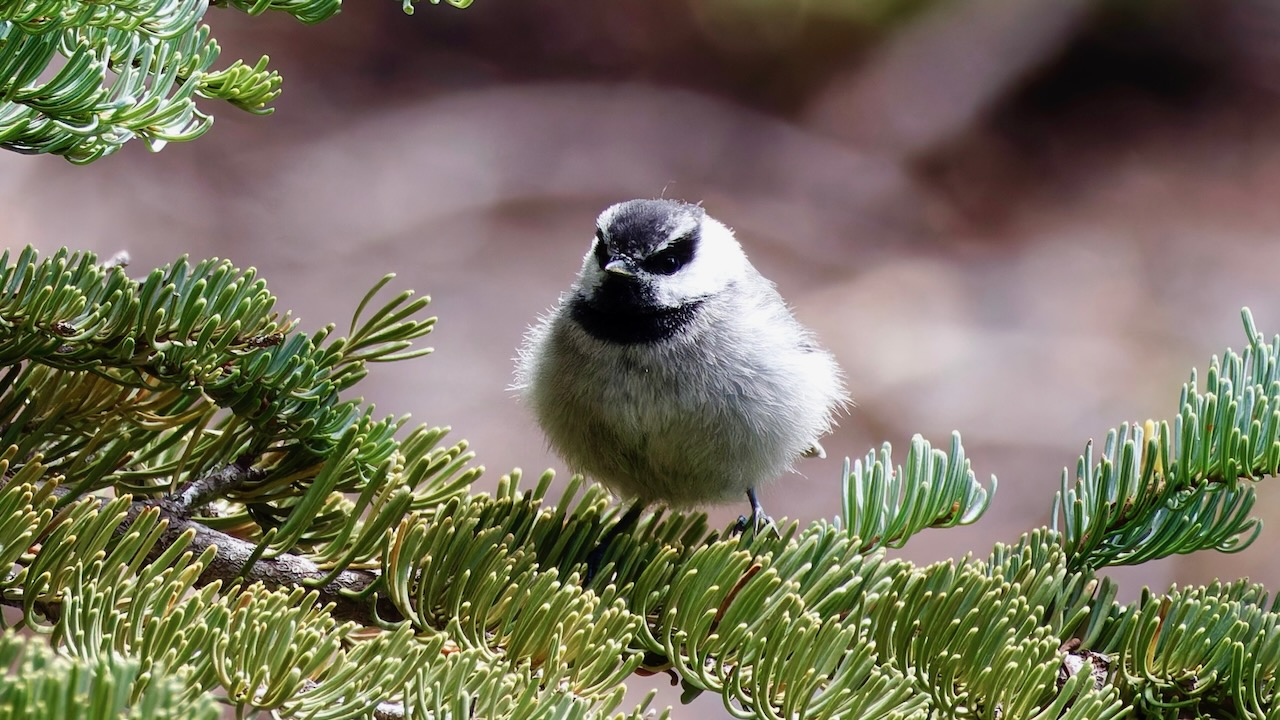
(1024, 221)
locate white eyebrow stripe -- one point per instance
(679, 233)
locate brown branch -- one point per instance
(195, 494)
(234, 554)
(283, 571)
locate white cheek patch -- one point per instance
(716, 264)
(695, 281)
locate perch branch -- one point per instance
(197, 493)
(286, 570)
(283, 571)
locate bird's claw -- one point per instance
(757, 523)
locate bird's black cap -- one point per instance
(636, 227)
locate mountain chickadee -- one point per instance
(672, 371)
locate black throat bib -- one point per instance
(624, 323)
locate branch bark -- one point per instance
(283, 571)
(195, 494)
(234, 554)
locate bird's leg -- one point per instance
(596, 556)
(759, 520)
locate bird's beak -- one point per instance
(619, 266)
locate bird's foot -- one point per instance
(759, 521)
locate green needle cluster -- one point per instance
(194, 516)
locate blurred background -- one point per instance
(1023, 221)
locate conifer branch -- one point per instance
(195, 494)
(239, 559)
(1163, 488)
(81, 79)
(184, 390)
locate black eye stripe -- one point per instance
(674, 256)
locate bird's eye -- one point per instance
(663, 263)
(671, 258)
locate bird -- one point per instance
(671, 371)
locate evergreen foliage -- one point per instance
(193, 516)
(79, 78)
